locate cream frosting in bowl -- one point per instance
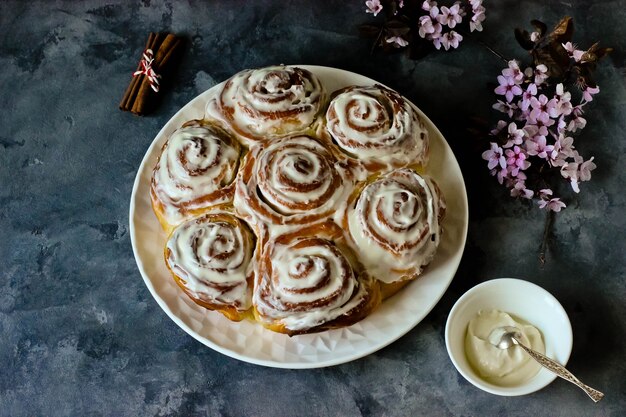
(525, 303)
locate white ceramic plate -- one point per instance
(249, 341)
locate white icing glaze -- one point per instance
(376, 124)
(504, 367)
(213, 258)
(395, 225)
(293, 180)
(268, 102)
(311, 283)
(195, 164)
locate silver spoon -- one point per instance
(506, 336)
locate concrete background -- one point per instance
(81, 335)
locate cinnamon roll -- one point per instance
(265, 103)
(309, 280)
(377, 126)
(196, 169)
(211, 259)
(291, 181)
(395, 225)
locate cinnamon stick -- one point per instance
(145, 101)
(133, 88)
(140, 98)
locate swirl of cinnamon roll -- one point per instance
(377, 126)
(269, 102)
(396, 224)
(196, 170)
(211, 259)
(292, 180)
(309, 281)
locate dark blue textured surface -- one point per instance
(81, 335)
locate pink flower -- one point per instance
(397, 41)
(448, 40)
(577, 158)
(507, 88)
(561, 125)
(530, 92)
(569, 47)
(554, 204)
(374, 7)
(451, 40)
(533, 132)
(478, 16)
(563, 104)
(573, 52)
(436, 34)
(570, 171)
(516, 160)
(562, 150)
(565, 146)
(585, 170)
(514, 72)
(577, 122)
(545, 200)
(431, 8)
(542, 107)
(495, 156)
(540, 73)
(475, 23)
(520, 190)
(499, 126)
(450, 16)
(545, 193)
(578, 172)
(508, 108)
(426, 26)
(515, 136)
(500, 174)
(589, 92)
(521, 176)
(539, 147)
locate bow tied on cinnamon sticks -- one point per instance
(158, 60)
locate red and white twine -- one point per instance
(146, 69)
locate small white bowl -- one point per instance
(528, 302)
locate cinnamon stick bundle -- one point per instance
(145, 90)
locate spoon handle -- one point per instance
(560, 370)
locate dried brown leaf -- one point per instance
(563, 31)
(544, 56)
(541, 27)
(585, 75)
(595, 53)
(559, 55)
(523, 38)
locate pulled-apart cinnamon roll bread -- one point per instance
(296, 213)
